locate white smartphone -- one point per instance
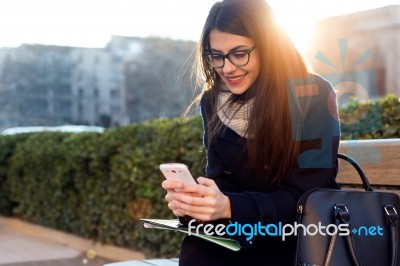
(178, 172)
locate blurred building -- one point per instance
(158, 83)
(360, 52)
(35, 86)
(97, 87)
(42, 85)
(130, 80)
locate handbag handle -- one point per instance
(342, 216)
(353, 162)
(392, 220)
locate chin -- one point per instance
(237, 91)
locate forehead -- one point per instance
(225, 42)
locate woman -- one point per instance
(270, 130)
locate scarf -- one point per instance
(234, 115)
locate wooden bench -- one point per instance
(379, 159)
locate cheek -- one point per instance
(219, 72)
(256, 69)
(256, 72)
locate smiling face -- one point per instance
(237, 79)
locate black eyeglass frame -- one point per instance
(226, 56)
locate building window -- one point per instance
(115, 109)
(114, 93)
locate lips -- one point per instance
(235, 80)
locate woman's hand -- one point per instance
(203, 201)
(171, 187)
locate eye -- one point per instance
(216, 57)
(239, 55)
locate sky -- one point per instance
(91, 23)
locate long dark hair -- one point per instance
(271, 146)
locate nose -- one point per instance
(228, 67)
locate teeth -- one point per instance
(236, 78)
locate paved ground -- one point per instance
(18, 249)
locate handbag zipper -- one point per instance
(301, 205)
(303, 199)
(300, 209)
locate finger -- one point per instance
(171, 185)
(173, 207)
(203, 188)
(169, 196)
(198, 189)
(193, 194)
(178, 212)
(206, 182)
(200, 215)
(175, 210)
(190, 209)
(172, 195)
(187, 202)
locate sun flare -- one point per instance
(300, 32)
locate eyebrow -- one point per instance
(231, 50)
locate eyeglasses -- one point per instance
(238, 58)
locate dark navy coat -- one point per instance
(252, 201)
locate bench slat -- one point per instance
(379, 159)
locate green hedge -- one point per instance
(98, 185)
(375, 119)
(7, 149)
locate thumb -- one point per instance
(206, 181)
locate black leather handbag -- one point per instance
(346, 227)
